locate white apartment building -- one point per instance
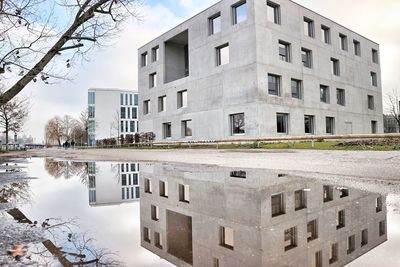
(113, 113)
(257, 68)
(214, 217)
(113, 183)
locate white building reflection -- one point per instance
(113, 183)
(211, 216)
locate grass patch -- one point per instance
(376, 145)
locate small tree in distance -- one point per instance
(13, 115)
(393, 103)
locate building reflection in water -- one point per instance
(113, 183)
(209, 216)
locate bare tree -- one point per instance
(68, 125)
(13, 115)
(393, 103)
(33, 43)
(54, 130)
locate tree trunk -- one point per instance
(6, 132)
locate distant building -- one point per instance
(390, 124)
(208, 216)
(113, 183)
(113, 113)
(258, 69)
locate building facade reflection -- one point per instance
(211, 216)
(113, 183)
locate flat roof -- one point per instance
(288, 0)
(113, 90)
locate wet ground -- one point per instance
(166, 214)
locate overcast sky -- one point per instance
(115, 66)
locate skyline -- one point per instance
(71, 97)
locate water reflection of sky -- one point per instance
(117, 227)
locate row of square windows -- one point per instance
(237, 125)
(278, 201)
(290, 237)
(274, 89)
(222, 58)
(239, 13)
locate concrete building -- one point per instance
(255, 68)
(209, 216)
(112, 113)
(113, 183)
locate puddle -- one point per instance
(159, 214)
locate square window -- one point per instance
(155, 216)
(324, 94)
(146, 234)
(155, 53)
(290, 238)
(147, 186)
(167, 130)
(214, 24)
(158, 240)
(184, 195)
(144, 58)
(284, 51)
(309, 124)
(312, 230)
(187, 128)
(330, 125)
(357, 48)
(364, 237)
(382, 228)
(327, 193)
(153, 80)
(163, 189)
(325, 34)
(374, 127)
(341, 219)
(343, 42)
(374, 79)
(306, 57)
(273, 12)
(341, 97)
(379, 204)
(318, 259)
(222, 55)
(334, 252)
(335, 66)
(351, 244)
(238, 174)
(300, 200)
(237, 122)
(146, 107)
(343, 192)
(239, 12)
(274, 84)
(282, 123)
(375, 56)
(227, 237)
(277, 205)
(371, 102)
(182, 99)
(309, 27)
(162, 103)
(297, 89)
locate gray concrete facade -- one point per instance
(187, 59)
(216, 199)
